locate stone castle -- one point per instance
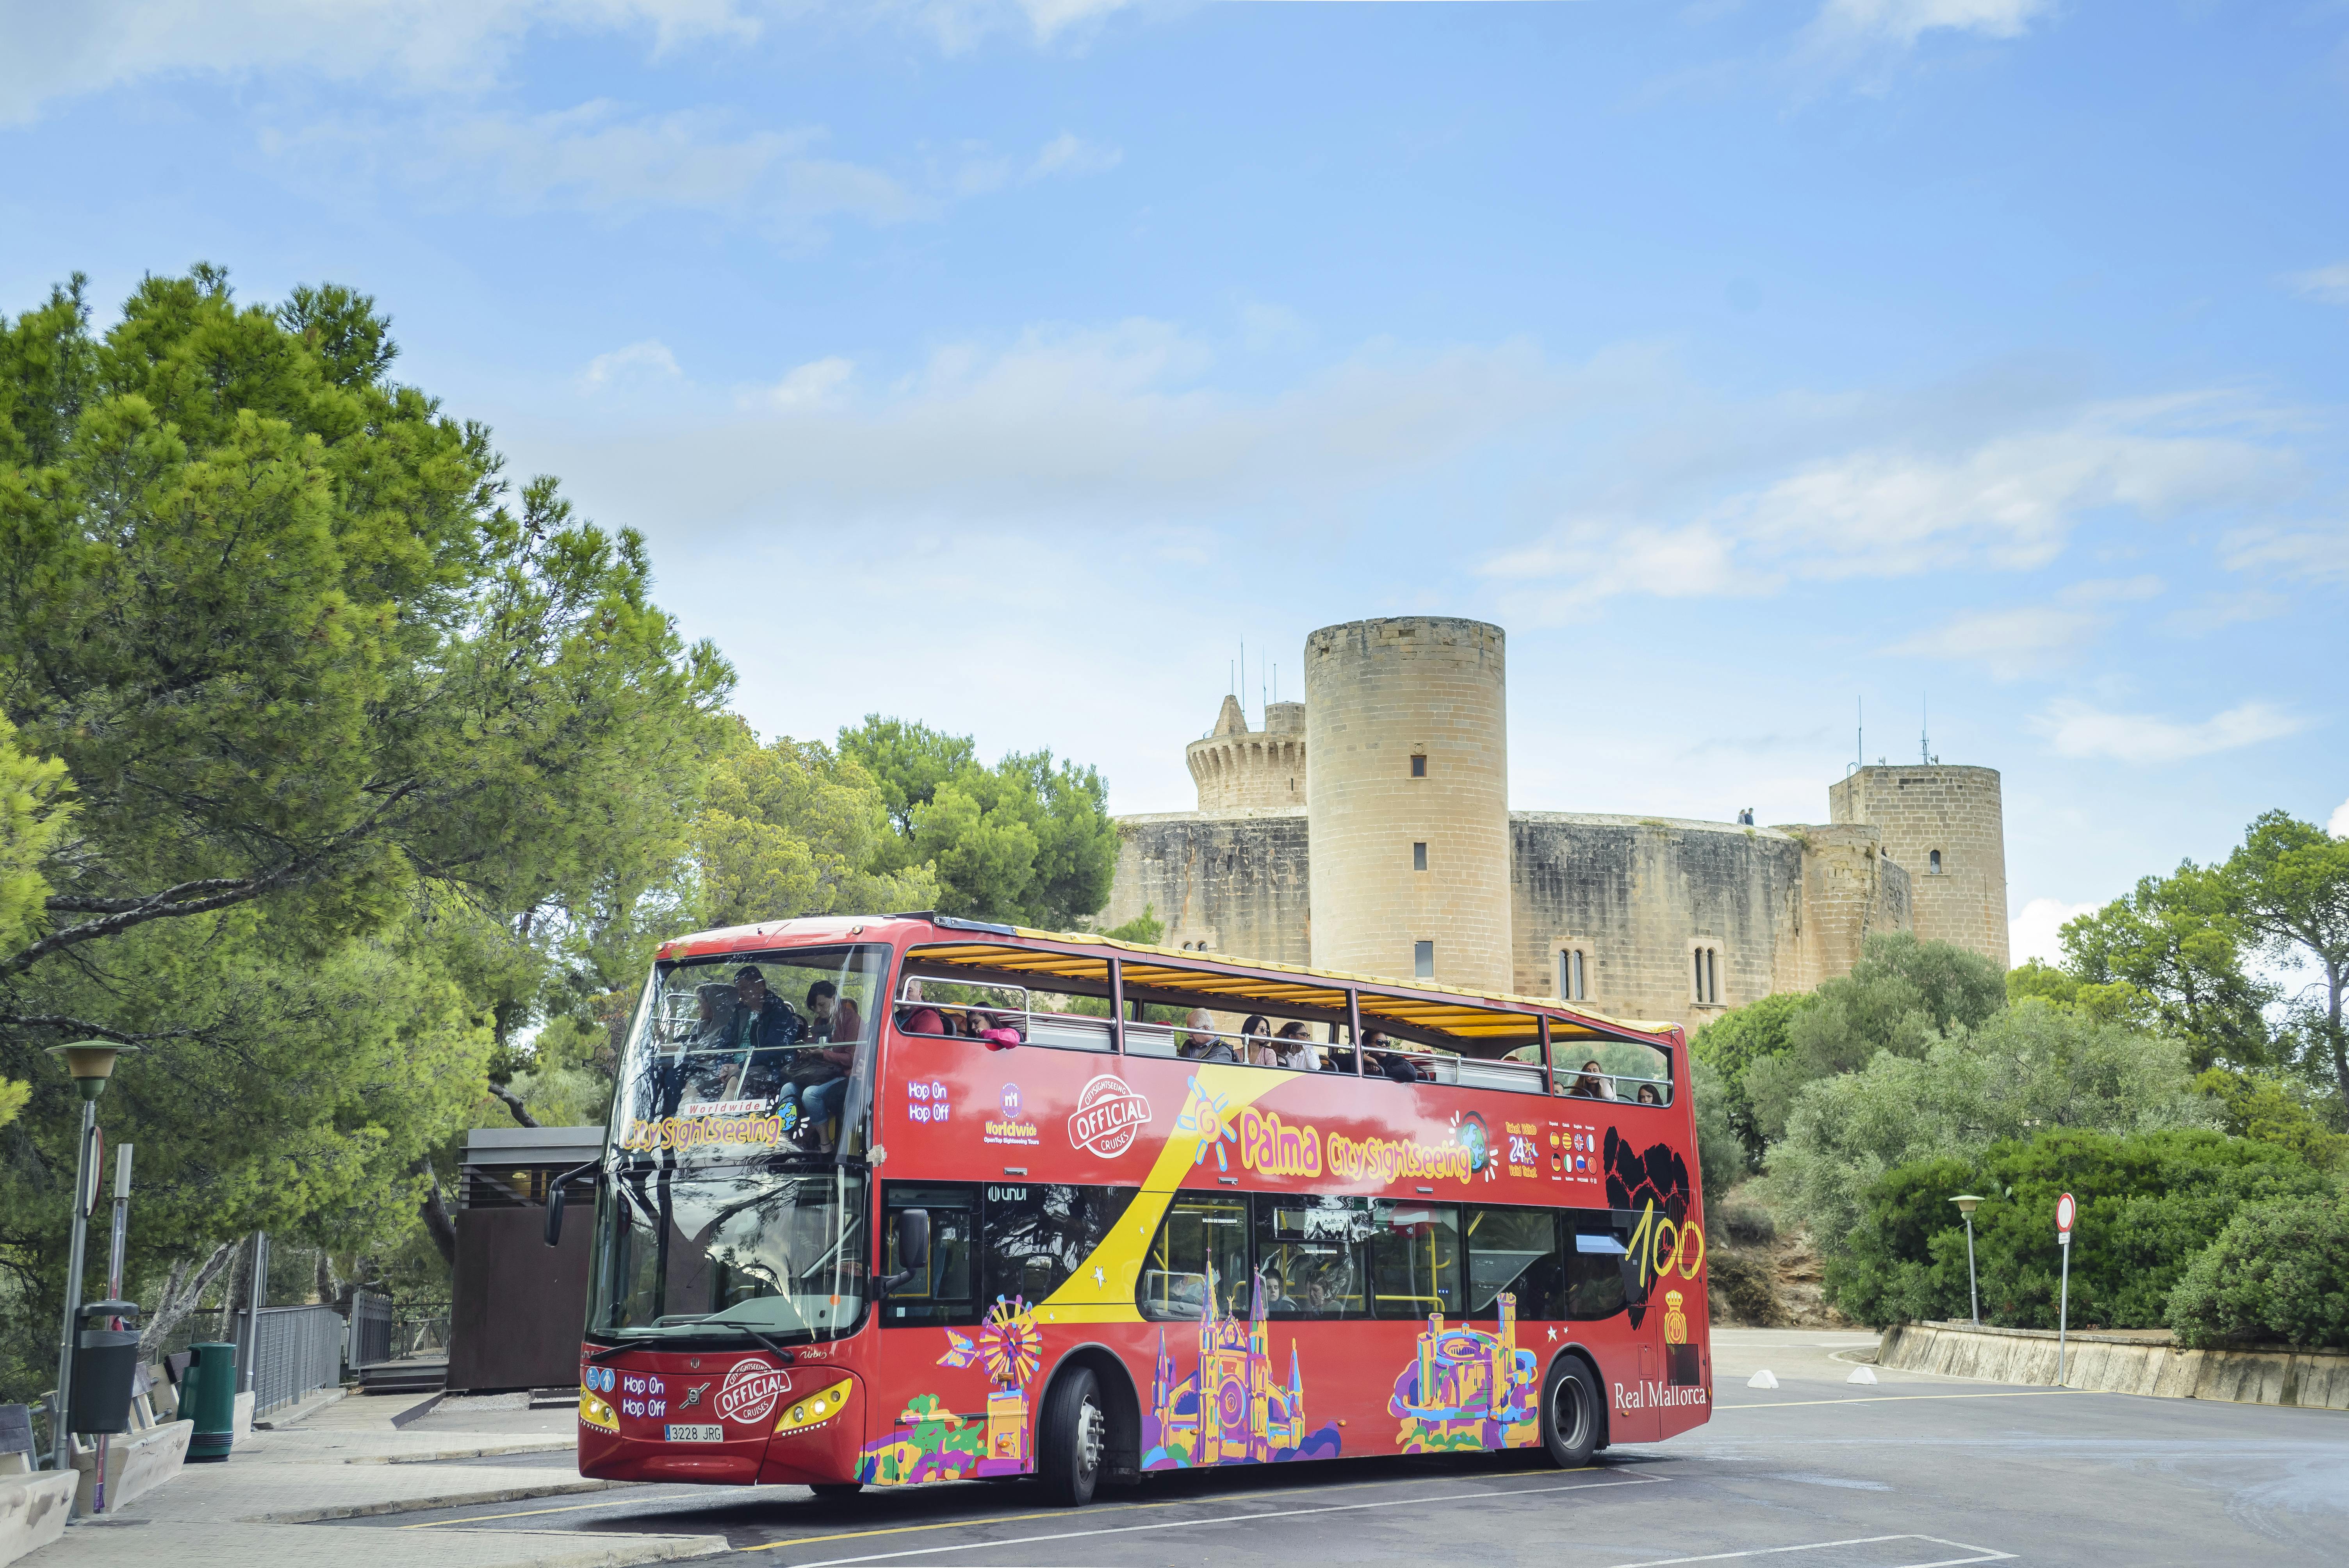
(1367, 829)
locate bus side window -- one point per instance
(1415, 1259)
(1309, 1251)
(1038, 1233)
(1515, 1250)
(942, 1291)
(1598, 1275)
(1202, 1245)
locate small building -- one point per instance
(519, 1306)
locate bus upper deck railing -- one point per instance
(1089, 1032)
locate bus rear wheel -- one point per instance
(1075, 1439)
(1569, 1415)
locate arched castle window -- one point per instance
(1423, 960)
(1419, 765)
(1704, 975)
(1573, 974)
(1419, 857)
(1934, 863)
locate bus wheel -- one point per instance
(835, 1490)
(1075, 1439)
(1569, 1417)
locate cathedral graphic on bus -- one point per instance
(1229, 1409)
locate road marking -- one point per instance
(1183, 1524)
(1890, 1398)
(1981, 1554)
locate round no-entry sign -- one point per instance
(2064, 1209)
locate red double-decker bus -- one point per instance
(910, 1199)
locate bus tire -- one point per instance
(1074, 1439)
(1569, 1414)
(835, 1490)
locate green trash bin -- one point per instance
(208, 1398)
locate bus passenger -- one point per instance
(1377, 1058)
(1256, 1040)
(1293, 1048)
(1593, 1084)
(1200, 1045)
(765, 1028)
(1647, 1095)
(999, 1033)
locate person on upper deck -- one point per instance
(1649, 1096)
(765, 1029)
(1256, 1040)
(1293, 1048)
(1199, 1043)
(1378, 1057)
(1593, 1084)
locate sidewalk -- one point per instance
(342, 1458)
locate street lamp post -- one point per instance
(1965, 1203)
(91, 1063)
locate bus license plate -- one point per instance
(691, 1434)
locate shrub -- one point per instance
(1747, 1290)
(1721, 1158)
(2150, 1203)
(2279, 1271)
(1747, 1225)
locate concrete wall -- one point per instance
(2137, 1363)
(1236, 883)
(1377, 694)
(1956, 812)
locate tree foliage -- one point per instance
(2176, 940)
(2288, 885)
(1900, 996)
(2031, 1067)
(2278, 1272)
(1737, 1041)
(1027, 840)
(2149, 1203)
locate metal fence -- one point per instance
(371, 1324)
(297, 1350)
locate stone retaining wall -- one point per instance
(2122, 1364)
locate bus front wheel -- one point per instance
(1569, 1414)
(1075, 1439)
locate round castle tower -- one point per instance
(1237, 770)
(1406, 721)
(1946, 826)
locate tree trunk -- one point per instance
(436, 1213)
(183, 1287)
(514, 1103)
(323, 1281)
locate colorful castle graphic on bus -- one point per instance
(1468, 1389)
(933, 1443)
(1229, 1411)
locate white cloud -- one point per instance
(2339, 824)
(2315, 554)
(814, 385)
(2031, 932)
(598, 157)
(1069, 154)
(2330, 285)
(2214, 611)
(2011, 643)
(1903, 22)
(648, 361)
(2077, 730)
(1606, 556)
(58, 51)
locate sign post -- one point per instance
(2065, 1210)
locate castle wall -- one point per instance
(1235, 885)
(1957, 811)
(1379, 694)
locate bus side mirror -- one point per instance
(913, 1246)
(554, 1218)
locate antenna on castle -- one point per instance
(1860, 734)
(1925, 728)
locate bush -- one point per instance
(1747, 1290)
(2150, 1204)
(1747, 1225)
(2279, 1271)
(1721, 1158)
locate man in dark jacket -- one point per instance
(766, 1029)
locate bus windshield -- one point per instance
(746, 1253)
(742, 1054)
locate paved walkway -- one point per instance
(342, 1458)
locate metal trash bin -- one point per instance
(105, 1364)
(208, 1398)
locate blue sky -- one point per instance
(1007, 364)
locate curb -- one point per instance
(614, 1550)
(484, 1451)
(442, 1499)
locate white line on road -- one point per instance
(1229, 1519)
(1981, 1554)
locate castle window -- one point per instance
(1419, 765)
(1573, 977)
(1704, 975)
(1423, 960)
(1419, 857)
(1934, 863)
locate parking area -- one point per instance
(1909, 1472)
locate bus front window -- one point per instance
(746, 1253)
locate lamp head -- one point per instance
(91, 1063)
(1965, 1203)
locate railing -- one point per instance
(297, 1350)
(371, 1324)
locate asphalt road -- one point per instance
(1913, 1472)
